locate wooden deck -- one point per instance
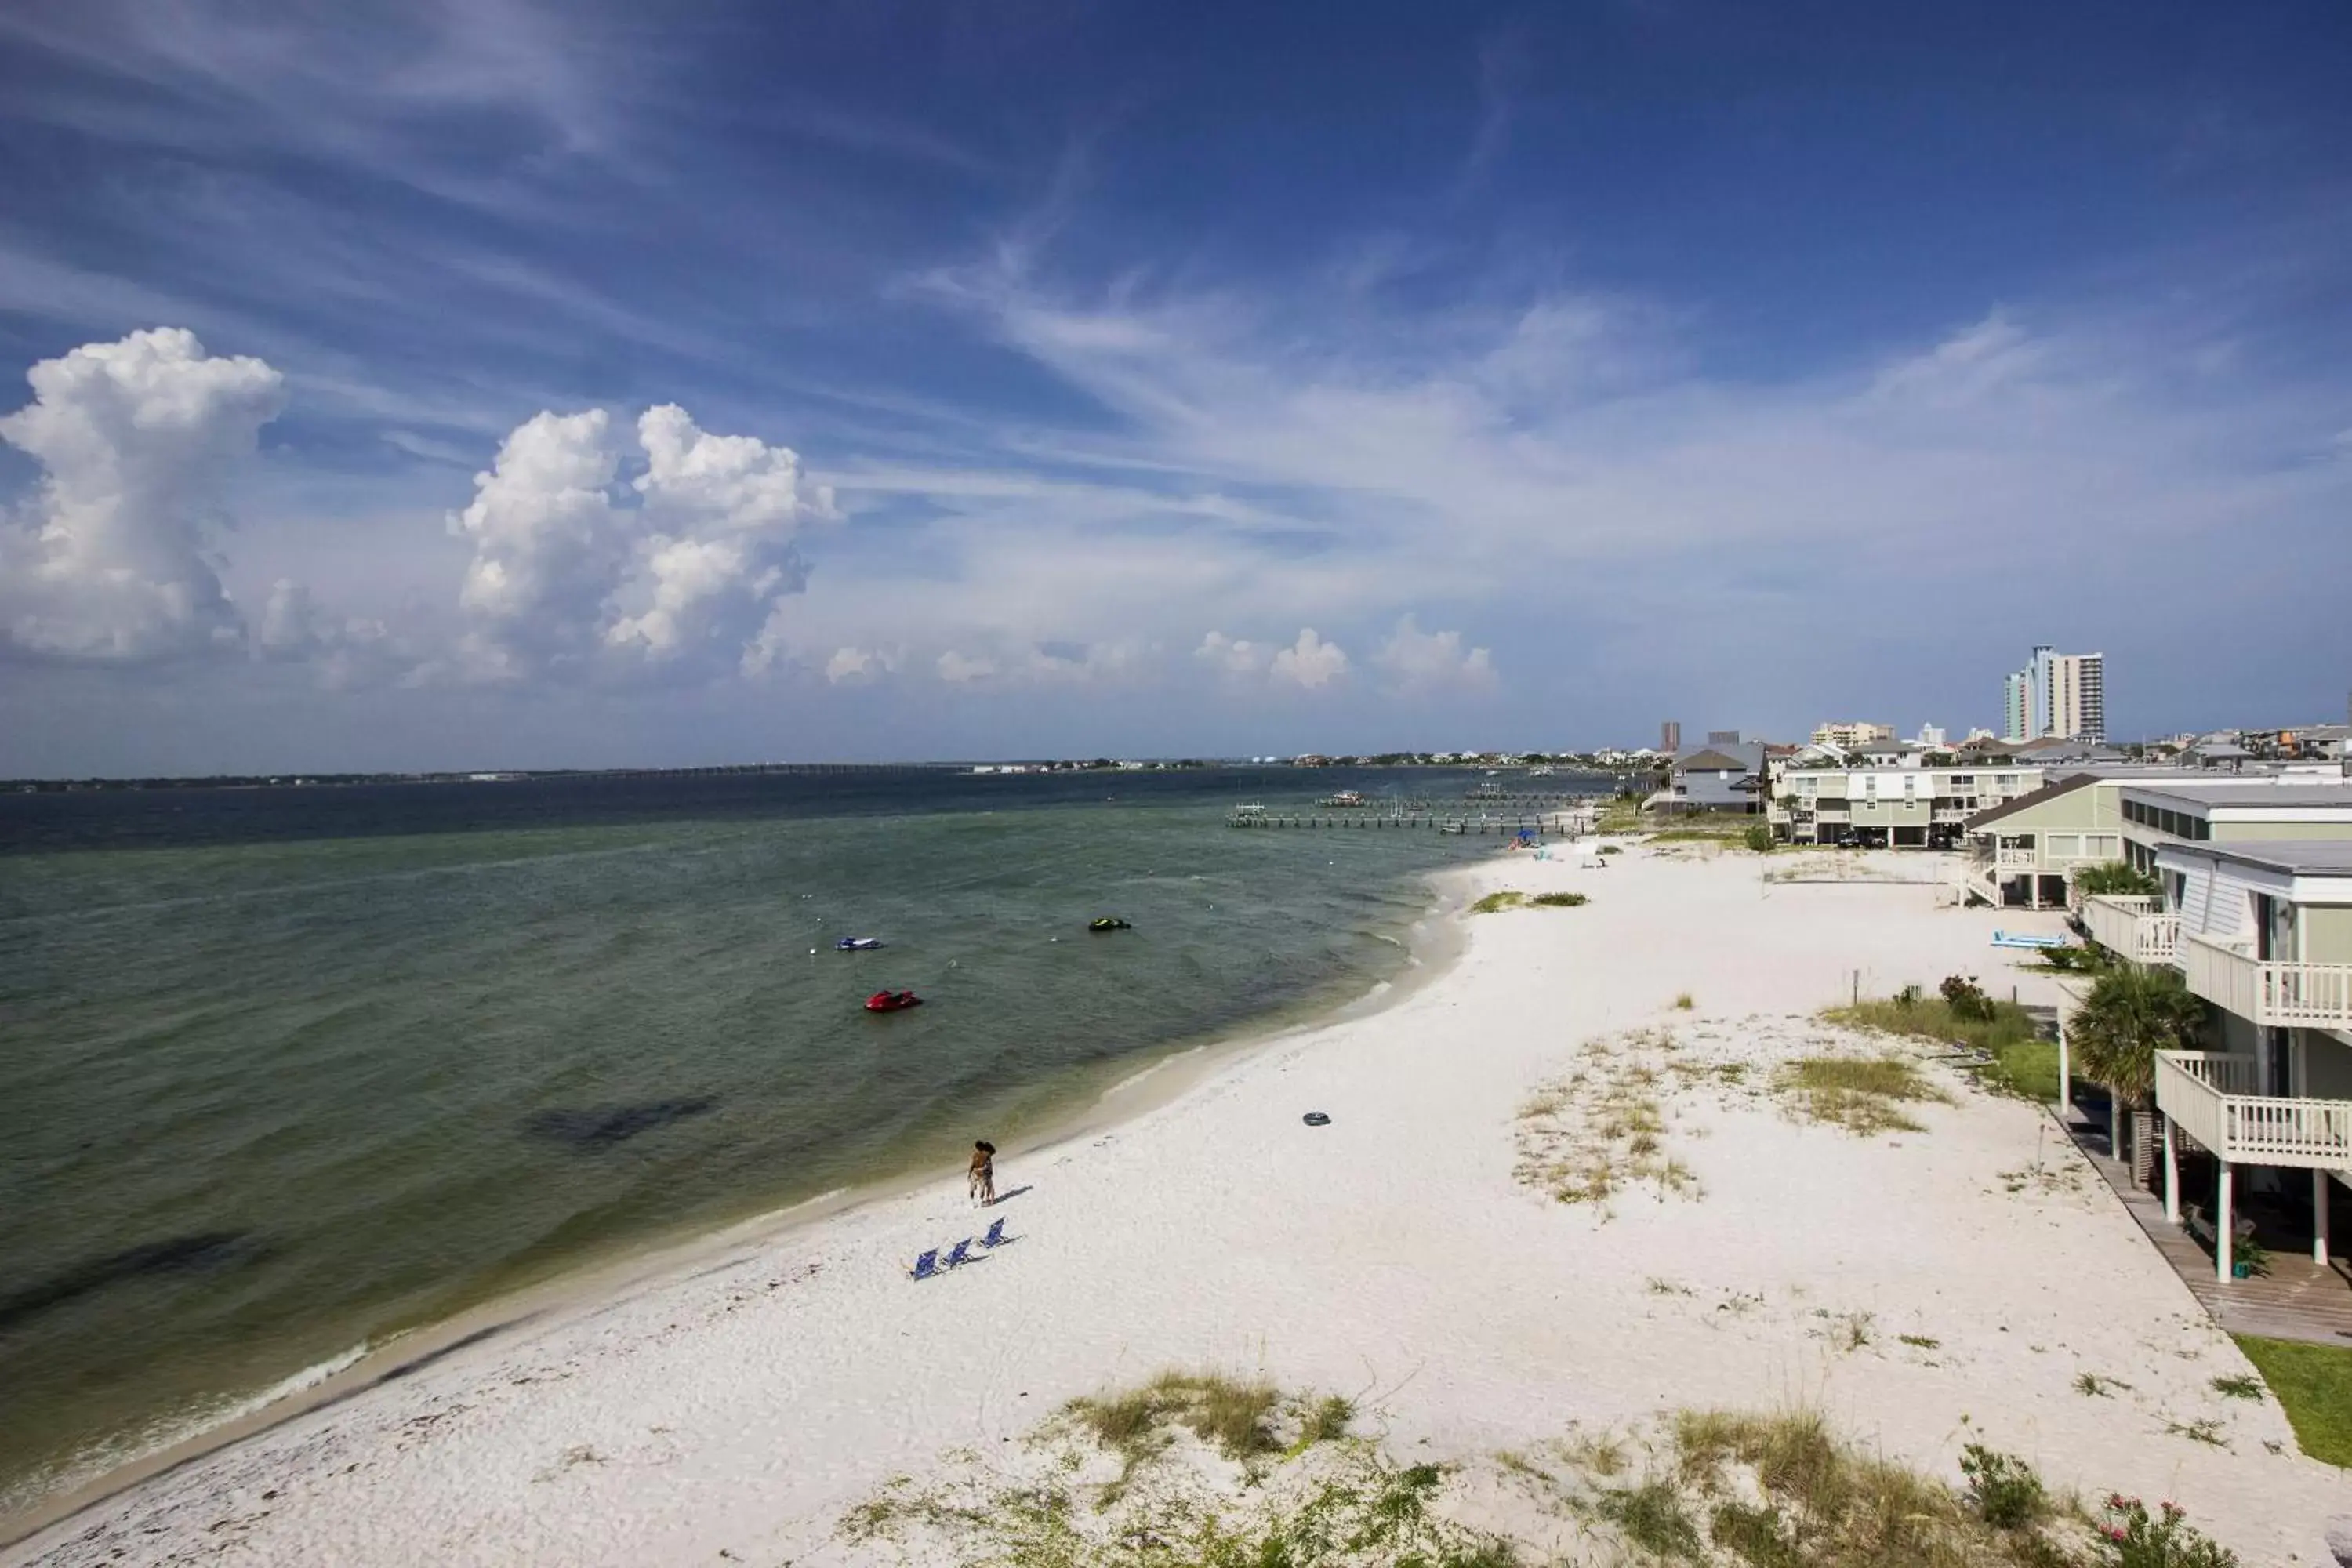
(2298, 1299)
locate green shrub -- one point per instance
(1759, 837)
(1966, 999)
(2129, 1538)
(2002, 1487)
(1560, 901)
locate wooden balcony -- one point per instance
(2268, 993)
(2132, 927)
(2213, 1099)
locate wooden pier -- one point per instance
(1550, 823)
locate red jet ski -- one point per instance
(892, 1001)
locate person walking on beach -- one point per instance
(981, 1177)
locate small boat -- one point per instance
(892, 1001)
(1107, 922)
(1345, 797)
(857, 944)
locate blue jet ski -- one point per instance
(857, 944)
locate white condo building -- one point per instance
(2060, 696)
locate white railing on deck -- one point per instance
(2208, 1095)
(2011, 859)
(2129, 925)
(2273, 996)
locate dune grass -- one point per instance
(1323, 1499)
(1860, 1094)
(2314, 1384)
(1229, 1413)
(1511, 898)
(1699, 1488)
(1825, 1504)
(1587, 1136)
(2017, 1060)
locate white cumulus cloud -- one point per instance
(851, 665)
(962, 670)
(691, 576)
(1234, 655)
(1419, 661)
(107, 559)
(1310, 661)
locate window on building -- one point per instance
(2204, 828)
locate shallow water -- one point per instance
(284, 1072)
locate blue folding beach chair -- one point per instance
(927, 1267)
(995, 1236)
(963, 1254)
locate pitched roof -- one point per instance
(2066, 786)
(1710, 760)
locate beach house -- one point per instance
(1722, 776)
(1903, 805)
(2261, 929)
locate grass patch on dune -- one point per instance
(1862, 1094)
(1511, 898)
(1235, 1416)
(1601, 1130)
(1825, 1504)
(2014, 1061)
(1308, 1493)
(2314, 1384)
(1699, 1488)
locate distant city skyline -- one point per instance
(515, 385)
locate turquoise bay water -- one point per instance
(278, 1085)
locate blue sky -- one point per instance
(493, 382)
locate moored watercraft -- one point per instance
(857, 944)
(1107, 922)
(892, 1001)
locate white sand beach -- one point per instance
(736, 1412)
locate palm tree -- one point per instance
(2130, 1014)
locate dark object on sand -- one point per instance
(1315, 1119)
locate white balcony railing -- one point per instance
(2132, 926)
(2270, 994)
(2208, 1097)
(2010, 860)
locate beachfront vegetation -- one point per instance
(2130, 1014)
(1701, 1489)
(2008, 1056)
(1586, 1137)
(1683, 1002)
(2314, 1384)
(1306, 1495)
(1862, 1094)
(2114, 879)
(1509, 899)
(1759, 837)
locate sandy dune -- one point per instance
(1392, 1255)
